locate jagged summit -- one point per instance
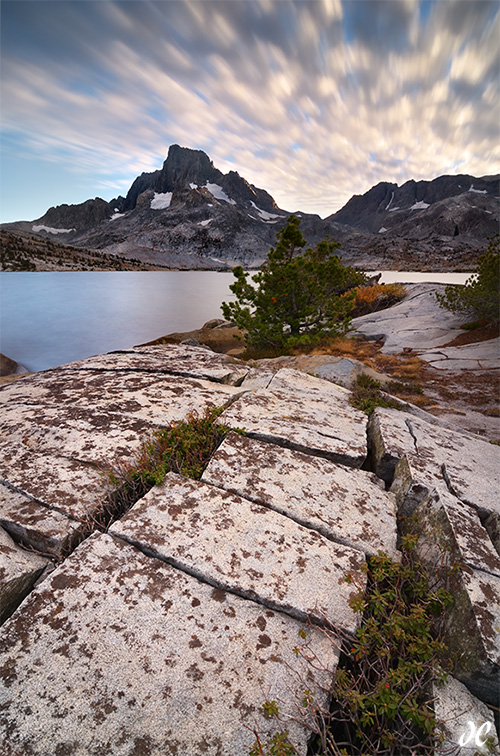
(183, 166)
(185, 169)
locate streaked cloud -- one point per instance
(313, 100)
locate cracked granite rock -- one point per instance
(470, 467)
(34, 523)
(19, 570)
(245, 548)
(446, 484)
(117, 652)
(450, 535)
(305, 413)
(157, 398)
(59, 483)
(174, 359)
(343, 504)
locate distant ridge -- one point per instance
(386, 203)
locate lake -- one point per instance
(50, 319)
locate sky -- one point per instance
(312, 100)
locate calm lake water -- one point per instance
(50, 319)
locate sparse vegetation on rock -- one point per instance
(380, 702)
(367, 394)
(184, 447)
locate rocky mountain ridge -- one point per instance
(190, 215)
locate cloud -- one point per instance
(312, 100)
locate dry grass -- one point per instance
(344, 346)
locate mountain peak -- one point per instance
(184, 166)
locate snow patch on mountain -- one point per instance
(205, 222)
(50, 230)
(264, 215)
(215, 190)
(219, 193)
(420, 205)
(161, 201)
(477, 191)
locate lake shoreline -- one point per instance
(50, 320)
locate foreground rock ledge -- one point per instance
(343, 504)
(234, 544)
(140, 658)
(119, 652)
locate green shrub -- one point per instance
(480, 295)
(184, 447)
(381, 687)
(295, 299)
(366, 395)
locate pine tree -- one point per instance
(480, 295)
(295, 299)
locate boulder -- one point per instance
(117, 652)
(463, 722)
(305, 413)
(10, 367)
(19, 570)
(345, 505)
(345, 371)
(432, 455)
(245, 548)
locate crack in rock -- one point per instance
(202, 577)
(331, 435)
(447, 480)
(40, 502)
(412, 433)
